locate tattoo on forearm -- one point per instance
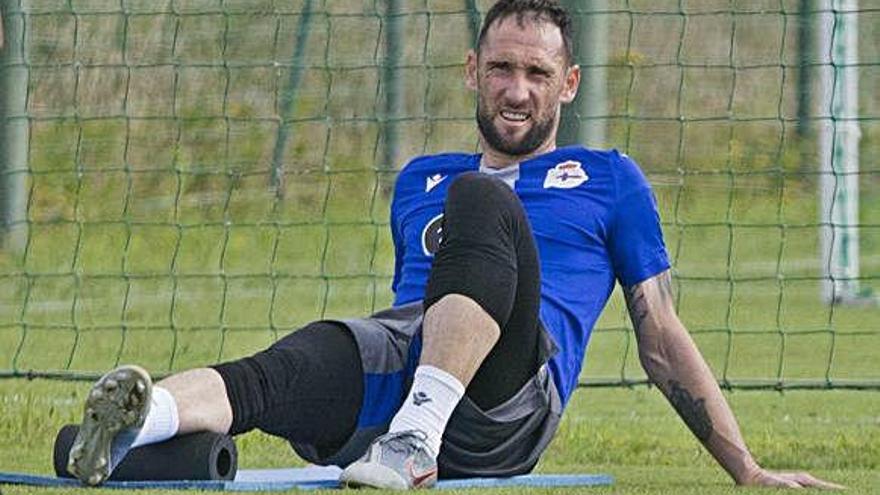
(636, 304)
(637, 301)
(692, 411)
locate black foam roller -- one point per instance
(198, 456)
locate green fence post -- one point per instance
(473, 20)
(392, 84)
(288, 101)
(13, 127)
(584, 120)
(805, 56)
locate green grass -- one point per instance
(630, 434)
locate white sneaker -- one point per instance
(394, 461)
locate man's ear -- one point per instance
(570, 84)
(470, 70)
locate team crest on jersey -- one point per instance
(432, 234)
(566, 175)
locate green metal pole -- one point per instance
(805, 55)
(392, 84)
(13, 127)
(807, 75)
(473, 20)
(582, 121)
(288, 101)
(593, 102)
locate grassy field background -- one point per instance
(153, 236)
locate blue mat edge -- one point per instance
(309, 482)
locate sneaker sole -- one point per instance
(372, 475)
(118, 401)
(376, 475)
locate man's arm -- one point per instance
(672, 362)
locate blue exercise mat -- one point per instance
(249, 480)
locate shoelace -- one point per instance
(395, 441)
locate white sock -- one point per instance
(160, 424)
(162, 421)
(429, 405)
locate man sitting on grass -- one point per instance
(504, 261)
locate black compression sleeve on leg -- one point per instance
(488, 254)
(306, 388)
(477, 257)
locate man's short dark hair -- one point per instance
(535, 10)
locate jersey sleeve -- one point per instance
(635, 244)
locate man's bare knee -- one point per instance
(202, 402)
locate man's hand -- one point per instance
(763, 477)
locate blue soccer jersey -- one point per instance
(594, 219)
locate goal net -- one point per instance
(186, 180)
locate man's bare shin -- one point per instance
(202, 403)
(457, 336)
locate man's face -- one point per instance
(521, 77)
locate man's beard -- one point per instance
(534, 138)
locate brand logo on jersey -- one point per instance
(433, 181)
(566, 175)
(432, 235)
(420, 398)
